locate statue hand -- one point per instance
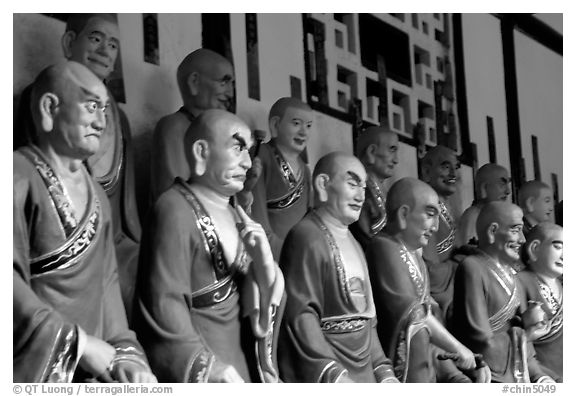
(127, 371)
(221, 372)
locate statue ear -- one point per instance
(273, 124)
(491, 231)
(200, 153)
(426, 173)
(370, 154)
(402, 216)
(483, 193)
(67, 40)
(530, 204)
(321, 185)
(532, 250)
(192, 83)
(48, 105)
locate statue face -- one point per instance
(386, 156)
(422, 220)
(228, 159)
(498, 186)
(550, 255)
(346, 189)
(294, 128)
(80, 118)
(97, 46)
(508, 238)
(543, 206)
(443, 173)
(215, 88)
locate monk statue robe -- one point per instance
(373, 216)
(329, 328)
(118, 183)
(402, 287)
(192, 301)
(281, 197)
(436, 256)
(486, 304)
(65, 276)
(549, 347)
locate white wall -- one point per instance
(484, 69)
(539, 73)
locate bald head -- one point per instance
(542, 232)
(440, 168)
(279, 108)
(492, 183)
(205, 80)
(412, 208)
(77, 22)
(210, 124)
(216, 146)
(531, 189)
(406, 191)
(505, 214)
(328, 164)
(339, 184)
(66, 80)
(69, 102)
(543, 250)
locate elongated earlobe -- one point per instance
(532, 250)
(48, 105)
(192, 83)
(273, 124)
(370, 154)
(491, 231)
(200, 153)
(67, 40)
(402, 216)
(320, 183)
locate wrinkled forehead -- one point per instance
(102, 25)
(445, 156)
(216, 68)
(512, 216)
(80, 83)
(299, 113)
(225, 128)
(349, 167)
(425, 196)
(498, 175)
(388, 139)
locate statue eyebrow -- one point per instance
(92, 96)
(240, 140)
(354, 176)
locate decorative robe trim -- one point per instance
(63, 357)
(342, 279)
(447, 243)
(500, 319)
(414, 318)
(519, 350)
(225, 284)
(265, 347)
(296, 187)
(331, 373)
(380, 198)
(129, 353)
(80, 237)
(343, 325)
(111, 179)
(200, 367)
(556, 308)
